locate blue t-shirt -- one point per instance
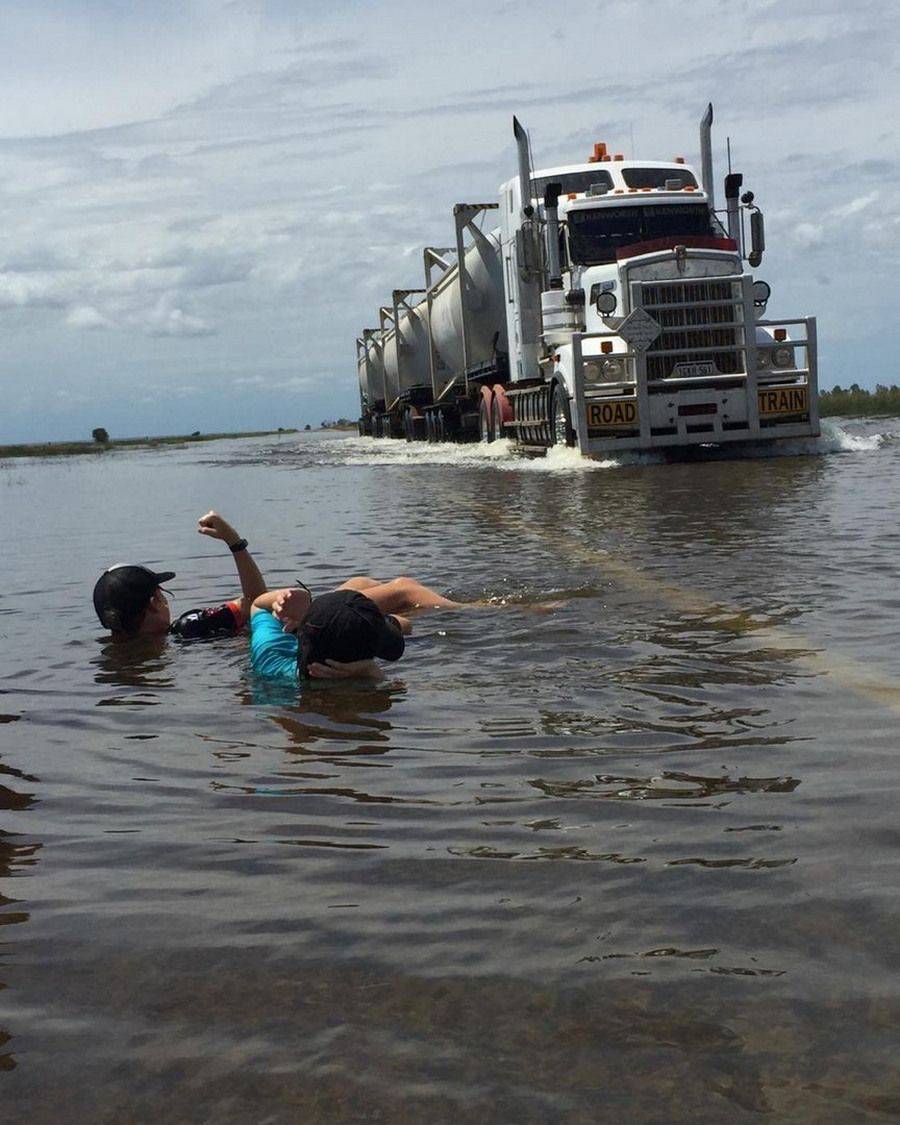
(273, 652)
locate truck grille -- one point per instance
(699, 314)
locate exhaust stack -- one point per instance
(706, 160)
(524, 168)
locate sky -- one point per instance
(203, 202)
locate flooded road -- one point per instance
(633, 859)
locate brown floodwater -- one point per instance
(634, 859)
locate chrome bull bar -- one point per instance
(690, 392)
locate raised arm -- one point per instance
(252, 582)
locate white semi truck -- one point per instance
(610, 310)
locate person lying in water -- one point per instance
(130, 601)
(337, 635)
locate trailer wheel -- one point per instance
(486, 421)
(415, 425)
(561, 432)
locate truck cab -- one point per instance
(652, 334)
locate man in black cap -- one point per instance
(339, 634)
(130, 601)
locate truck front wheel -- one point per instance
(561, 431)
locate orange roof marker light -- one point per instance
(606, 346)
(606, 158)
(780, 334)
(679, 160)
(618, 156)
(599, 153)
(572, 195)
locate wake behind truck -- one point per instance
(609, 311)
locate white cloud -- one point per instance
(86, 316)
(809, 234)
(67, 68)
(166, 318)
(298, 383)
(39, 290)
(855, 206)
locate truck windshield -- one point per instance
(572, 181)
(657, 177)
(596, 235)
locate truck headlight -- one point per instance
(783, 357)
(591, 371)
(763, 359)
(606, 303)
(613, 369)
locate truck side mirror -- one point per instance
(757, 238)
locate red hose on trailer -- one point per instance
(502, 411)
(486, 415)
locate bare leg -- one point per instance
(360, 583)
(405, 595)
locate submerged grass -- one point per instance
(73, 448)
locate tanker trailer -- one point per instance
(449, 343)
(393, 364)
(370, 366)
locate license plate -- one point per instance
(693, 370)
(782, 400)
(617, 414)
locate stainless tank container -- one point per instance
(413, 369)
(485, 306)
(371, 374)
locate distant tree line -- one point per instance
(858, 402)
(338, 424)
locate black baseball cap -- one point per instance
(123, 593)
(346, 625)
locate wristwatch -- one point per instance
(241, 545)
